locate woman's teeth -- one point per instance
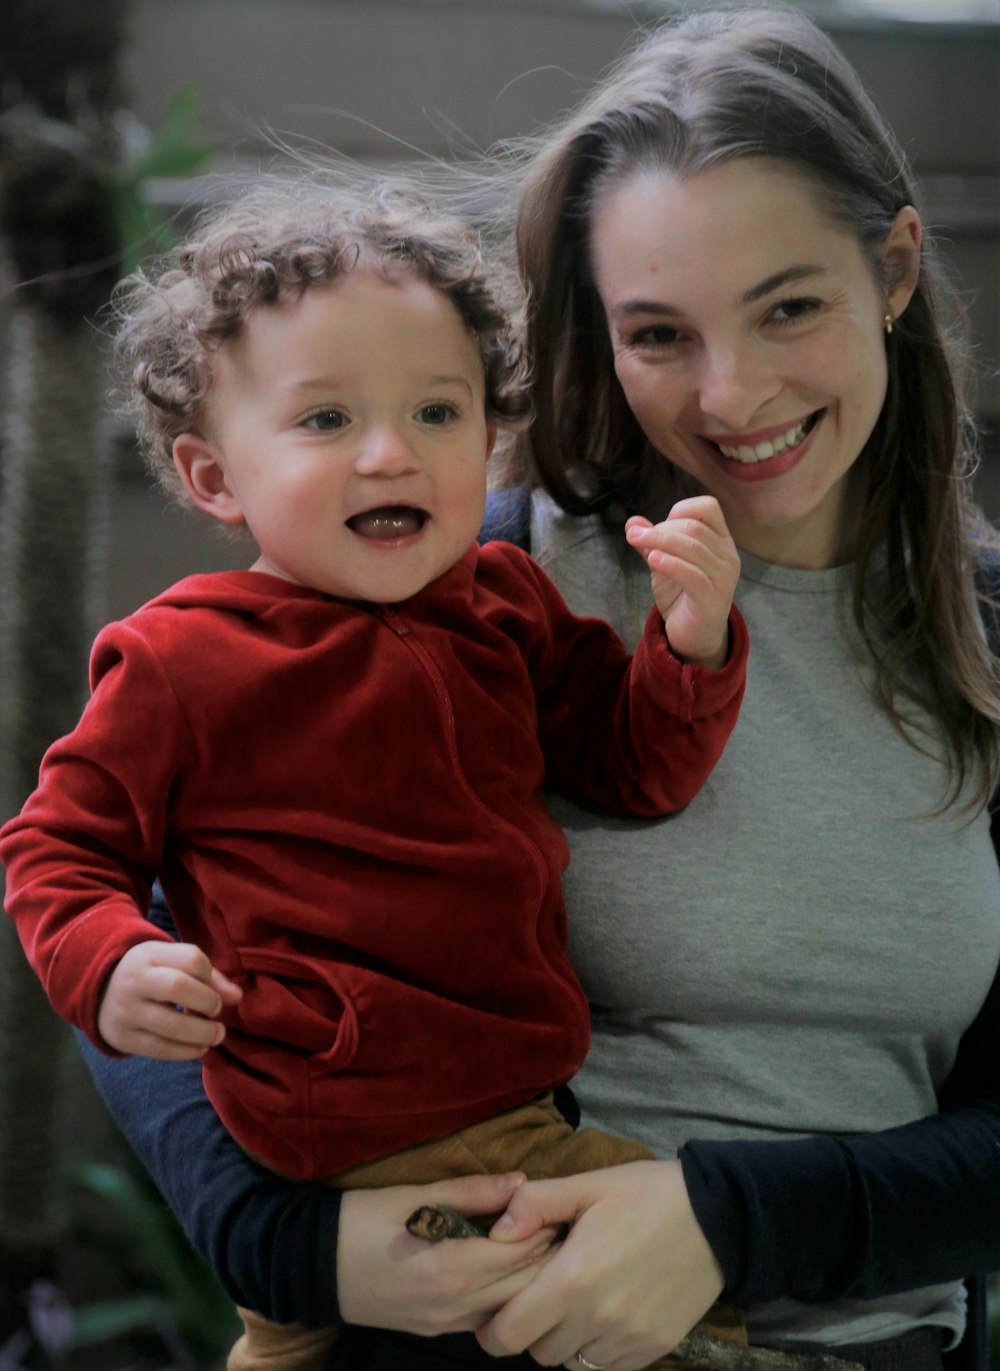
(760, 452)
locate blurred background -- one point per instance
(116, 117)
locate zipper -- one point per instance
(398, 624)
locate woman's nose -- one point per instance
(385, 451)
(735, 384)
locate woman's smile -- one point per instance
(761, 447)
(763, 457)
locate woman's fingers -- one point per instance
(389, 1279)
(538, 1205)
(631, 1279)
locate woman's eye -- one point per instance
(792, 311)
(657, 336)
(435, 414)
(325, 421)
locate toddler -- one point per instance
(334, 760)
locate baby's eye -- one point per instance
(791, 311)
(325, 421)
(436, 414)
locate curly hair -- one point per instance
(276, 240)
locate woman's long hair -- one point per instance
(767, 83)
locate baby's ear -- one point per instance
(203, 475)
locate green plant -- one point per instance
(121, 1217)
(165, 1310)
(176, 149)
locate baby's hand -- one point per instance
(160, 1001)
(695, 566)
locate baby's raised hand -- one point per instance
(161, 1000)
(695, 567)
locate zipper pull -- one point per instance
(394, 620)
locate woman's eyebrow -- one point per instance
(627, 307)
(779, 279)
(663, 310)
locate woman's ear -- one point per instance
(203, 475)
(900, 253)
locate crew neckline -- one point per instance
(801, 581)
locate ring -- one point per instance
(590, 1365)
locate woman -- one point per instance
(730, 291)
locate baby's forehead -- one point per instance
(362, 294)
(355, 326)
(384, 276)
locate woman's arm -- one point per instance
(272, 1244)
(817, 1219)
(868, 1214)
(654, 1244)
(864, 1216)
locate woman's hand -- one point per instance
(388, 1279)
(694, 566)
(634, 1275)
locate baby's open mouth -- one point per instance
(387, 522)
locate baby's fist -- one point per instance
(161, 1000)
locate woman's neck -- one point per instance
(799, 546)
(826, 536)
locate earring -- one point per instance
(888, 321)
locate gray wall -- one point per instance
(373, 79)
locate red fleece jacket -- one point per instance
(344, 805)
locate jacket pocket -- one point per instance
(305, 1007)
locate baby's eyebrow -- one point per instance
(446, 380)
(331, 383)
(312, 383)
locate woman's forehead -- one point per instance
(740, 222)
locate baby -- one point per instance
(334, 760)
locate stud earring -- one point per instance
(888, 321)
